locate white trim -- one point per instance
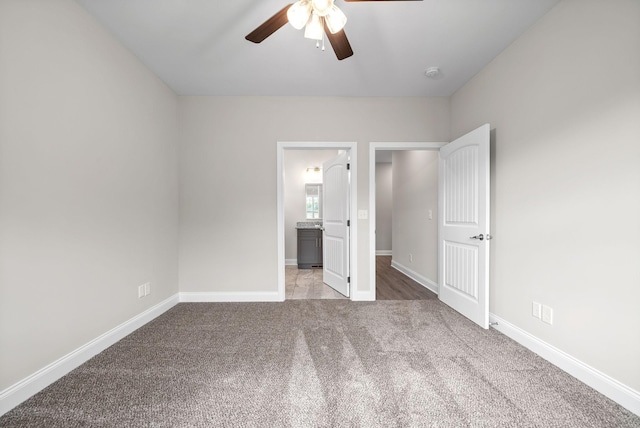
(422, 280)
(604, 384)
(230, 296)
(361, 296)
(290, 262)
(352, 147)
(384, 252)
(36, 382)
(393, 146)
(373, 147)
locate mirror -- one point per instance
(313, 193)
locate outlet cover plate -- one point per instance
(547, 315)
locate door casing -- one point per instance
(352, 148)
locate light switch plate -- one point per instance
(536, 310)
(363, 214)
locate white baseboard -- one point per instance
(290, 262)
(606, 385)
(425, 282)
(362, 296)
(36, 382)
(384, 253)
(231, 296)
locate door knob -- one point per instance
(482, 237)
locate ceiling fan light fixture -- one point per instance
(322, 7)
(335, 19)
(298, 14)
(319, 17)
(314, 29)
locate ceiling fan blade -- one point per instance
(339, 43)
(269, 26)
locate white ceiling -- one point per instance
(198, 48)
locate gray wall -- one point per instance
(415, 192)
(88, 184)
(384, 207)
(564, 101)
(228, 168)
(295, 164)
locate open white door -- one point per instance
(335, 208)
(464, 225)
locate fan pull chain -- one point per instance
(318, 43)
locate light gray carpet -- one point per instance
(317, 363)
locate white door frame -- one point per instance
(352, 147)
(373, 147)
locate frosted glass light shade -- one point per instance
(314, 29)
(322, 7)
(298, 13)
(335, 20)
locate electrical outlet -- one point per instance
(411, 257)
(547, 314)
(430, 214)
(147, 288)
(536, 310)
(140, 291)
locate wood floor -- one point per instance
(391, 284)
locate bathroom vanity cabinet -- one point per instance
(309, 248)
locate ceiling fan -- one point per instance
(318, 17)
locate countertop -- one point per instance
(313, 224)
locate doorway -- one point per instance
(282, 147)
(375, 150)
(463, 221)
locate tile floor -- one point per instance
(307, 284)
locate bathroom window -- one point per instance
(313, 201)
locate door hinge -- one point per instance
(348, 166)
(348, 280)
(348, 223)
